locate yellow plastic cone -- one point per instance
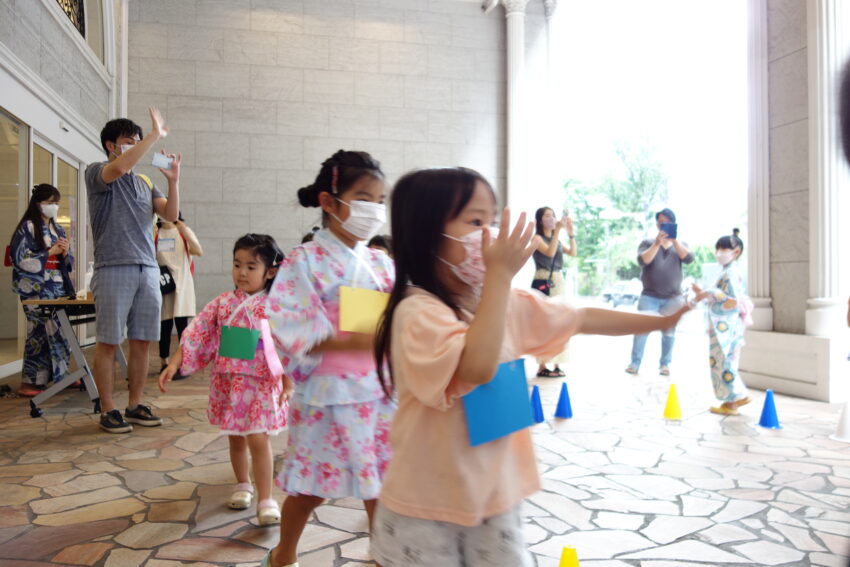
(672, 411)
(569, 558)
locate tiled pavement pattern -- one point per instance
(621, 485)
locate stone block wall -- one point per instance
(259, 92)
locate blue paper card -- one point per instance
(500, 407)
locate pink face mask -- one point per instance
(471, 269)
(549, 223)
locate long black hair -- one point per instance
(40, 193)
(423, 201)
(264, 247)
(337, 175)
(538, 219)
(731, 242)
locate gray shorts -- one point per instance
(402, 541)
(126, 296)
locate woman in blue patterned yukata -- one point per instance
(728, 312)
(41, 260)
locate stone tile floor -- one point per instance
(621, 485)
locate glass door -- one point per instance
(49, 165)
(14, 194)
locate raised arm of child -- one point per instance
(503, 257)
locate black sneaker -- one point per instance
(112, 422)
(180, 376)
(142, 415)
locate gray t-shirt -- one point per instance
(121, 216)
(662, 278)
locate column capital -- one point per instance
(550, 6)
(514, 6)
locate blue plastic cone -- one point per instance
(537, 406)
(564, 410)
(769, 419)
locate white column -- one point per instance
(828, 49)
(758, 244)
(515, 16)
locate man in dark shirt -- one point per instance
(661, 273)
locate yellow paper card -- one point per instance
(360, 309)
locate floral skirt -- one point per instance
(46, 352)
(337, 451)
(242, 405)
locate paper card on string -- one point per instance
(360, 309)
(238, 342)
(499, 407)
(166, 245)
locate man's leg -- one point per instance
(142, 328)
(113, 289)
(645, 303)
(104, 374)
(668, 337)
(137, 369)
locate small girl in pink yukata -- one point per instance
(452, 318)
(248, 390)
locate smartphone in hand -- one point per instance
(670, 229)
(161, 161)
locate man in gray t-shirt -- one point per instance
(661, 274)
(126, 276)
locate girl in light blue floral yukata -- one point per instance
(339, 414)
(728, 312)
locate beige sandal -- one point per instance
(724, 410)
(242, 495)
(268, 512)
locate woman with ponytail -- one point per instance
(339, 415)
(41, 260)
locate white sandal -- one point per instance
(268, 512)
(242, 495)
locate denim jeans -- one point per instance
(668, 337)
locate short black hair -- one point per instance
(118, 128)
(667, 213)
(265, 248)
(730, 242)
(384, 241)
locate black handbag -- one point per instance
(545, 285)
(166, 281)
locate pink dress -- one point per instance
(340, 417)
(244, 395)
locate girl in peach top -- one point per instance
(451, 319)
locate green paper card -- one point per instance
(238, 342)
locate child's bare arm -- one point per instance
(171, 369)
(596, 321)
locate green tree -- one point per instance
(610, 216)
(702, 255)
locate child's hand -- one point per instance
(511, 249)
(288, 388)
(697, 289)
(166, 376)
(673, 320)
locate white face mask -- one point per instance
(50, 210)
(365, 220)
(724, 257)
(471, 269)
(124, 148)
